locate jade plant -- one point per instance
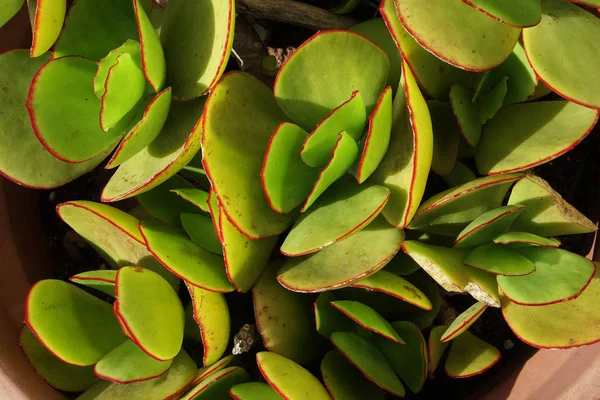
(305, 198)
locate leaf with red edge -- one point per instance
(470, 356)
(131, 47)
(344, 381)
(446, 137)
(88, 329)
(488, 226)
(197, 197)
(128, 363)
(285, 179)
(253, 391)
(500, 260)
(328, 319)
(212, 316)
(201, 230)
(217, 385)
(463, 322)
(55, 372)
(102, 280)
(491, 102)
(47, 18)
(522, 239)
(203, 372)
(164, 205)
(466, 113)
(153, 58)
(367, 318)
(423, 319)
(9, 9)
(435, 348)
(517, 13)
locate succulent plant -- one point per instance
(330, 166)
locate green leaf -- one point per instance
(522, 239)
(517, 13)
(435, 348)
(211, 313)
(56, 373)
(286, 180)
(153, 58)
(340, 212)
(482, 286)
(556, 325)
(128, 363)
(559, 276)
(95, 27)
(405, 167)
(423, 319)
(166, 386)
(500, 260)
(244, 138)
(365, 356)
(344, 155)
(522, 80)
(350, 116)
(172, 149)
(367, 318)
(164, 205)
(197, 197)
(289, 379)
(184, 258)
(434, 75)
(470, 356)
(328, 319)
(477, 44)
(488, 226)
(376, 30)
(284, 319)
(401, 264)
(217, 385)
(9, 9)
(345, 262)
(344, 381)
(490, 103)
(300, 82)
(146, 124)
(62, 91)
(446, 137)
(203, 372)
(131, 47)
(88, 329)
(197, 53)
(555, 47)
(114, 234)
(449, 212)
(346, 6)
(546, 212)
(377, 139)
(151, 311)
(463, 322)
(47, 17)
(103, 280)
(466, 113)
(410, 361)
(201, 230)
(393, 285)
(253, 391)
(459, 175)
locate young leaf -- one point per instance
(88, 329)
(435, 348)
(522, 239)
(47, 18)
(340, 212)
(217, 385)
(345, 262)
(499, 260)
(300, 81)
(470, 356)
(201, 230)
(367, 318)
(164, 205)
(328, 319)
(197, 197)
(103, 280)
(488, 226)
(289, 379)
(344, 381)
(153, 58)
(446, 137)
(466, 113)
(491, 102)
(463, 322)
(253, 391)
(247, 136)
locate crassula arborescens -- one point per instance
(312, 196)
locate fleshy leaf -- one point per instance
(466, 113)
(145, 126)
(435, 348)
(286, 180)
(150, 310)
(482, 286)
(345, 6)
(289, 379)
(488, 226)
(470, 356)
(554, 48)
(525, 239)
(284, 319)
(172, 149)
(559, 276)
(434, 75)
(523, 136)
(449, 212)
(410, 361)
(446, 137)
(167, 386)
(463, 322)
(9, 9)
(300, 81)
(340, 212)
(367, 318)
(217, 385)
(153, 58)
(184, 258)
(163, 204)
(95, 27)
(546, 213)
(459, 175)
(253, 391)
(201, 230)
(212, 316)
(62, 91)
(517, 13)
(204, 372)
(478, 43)
(344, 155)
(103, 280)
(405, 167)
(402, 264)
(556, 325)
(345, 262)
(88, 328)
(328, 319)
(197, 197)
(56, 373)
(131, 47)
(47, 18)
(350, 116)
(393, 285)
(344, 381)
(224, 138)
(128, 363)
(423, 319)
(499, 260)
(491, 102)
(197, 53)
(365, 356)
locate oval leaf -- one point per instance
(499, 260)
(488, 226)
(201, 230)
(253, 391)
(47, 22)
(367, 318)
(470, 356)
(525, 239)
(164, 205)
(153, 58)
(217, 385)
(103, 280)
(463, 322)
(344, 381)
(435, 348)
(466, 113)
(517, 13)
(328, 319)
(446, 137)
